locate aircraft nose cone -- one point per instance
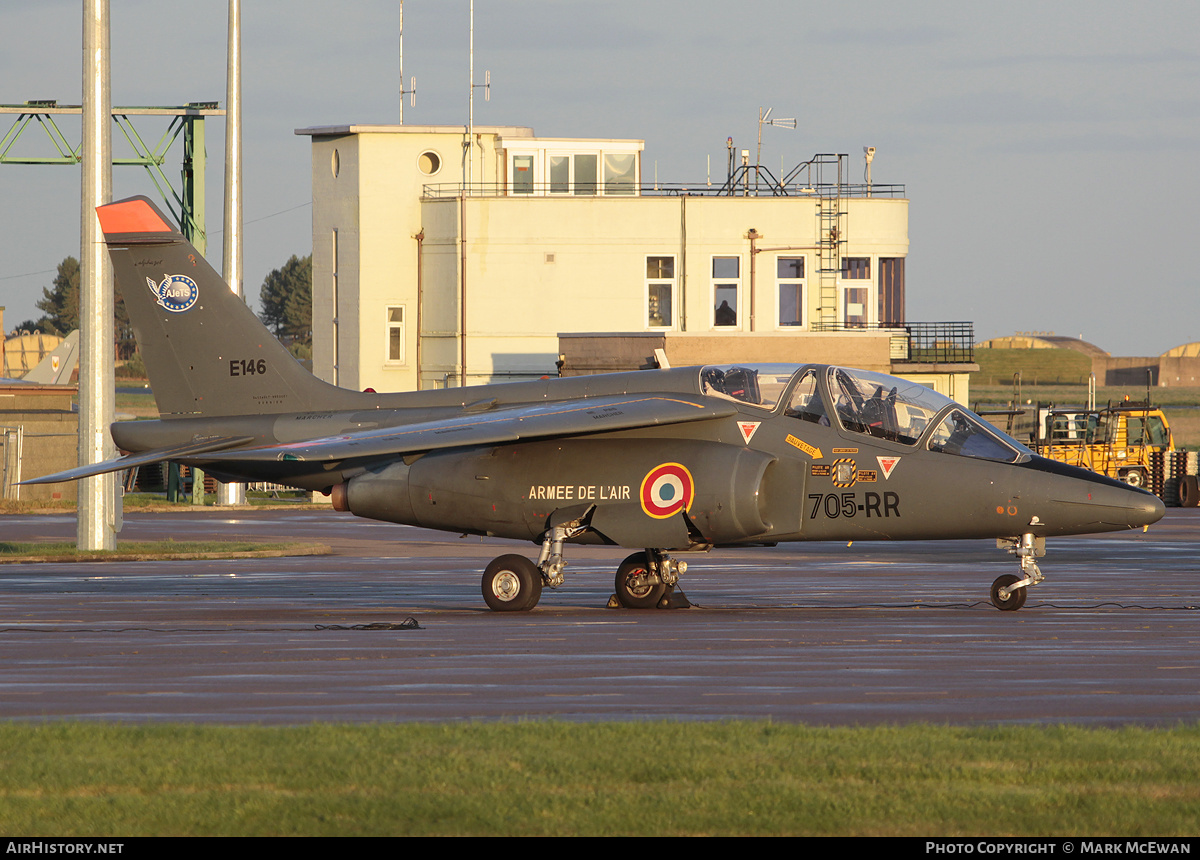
(1082, 502)
(1124, 506)
(1146, 510)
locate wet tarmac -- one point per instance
(817, 633)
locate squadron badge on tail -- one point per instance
(176, 293)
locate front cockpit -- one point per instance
(907, 412)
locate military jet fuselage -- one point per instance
(661, 461)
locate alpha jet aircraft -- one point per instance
(660, 461)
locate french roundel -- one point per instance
(667, 490)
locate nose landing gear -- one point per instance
(1008, 591)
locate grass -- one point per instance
(1036, 366)
(157, 502)
(549, 778)
(144, 550)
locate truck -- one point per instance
(1127, 440)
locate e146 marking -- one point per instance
(247, 366)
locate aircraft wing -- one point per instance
(497, 426)
(179, 452)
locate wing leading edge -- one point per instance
(498, 426)
(178, 452)
(505, 425)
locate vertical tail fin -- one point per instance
(205, 350)
(57, 366)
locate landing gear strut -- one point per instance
(513, 583)
(1008, 591)
(645, 580)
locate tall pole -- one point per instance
(231, 254)
(471, 98)
(99, 517)
(402, 67)
(462, 302)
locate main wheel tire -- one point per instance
(1016, 599)
(512, 583)
(1189, 491)
(644, 596)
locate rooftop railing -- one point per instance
(555, 191)
(919, 342)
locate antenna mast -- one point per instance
(487, 97)
(411, 92)
(765, 119)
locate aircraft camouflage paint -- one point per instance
(662, 461)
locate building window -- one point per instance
(726, 289)
(891, 289)
(558, 171)
(560, 174)
(790, 287)
(395, 334)
(856, 268)
(586, 173)
(854, 307)
(620, 173)
(660, 292)
(573, 173)
(522, 174)
(429, 162)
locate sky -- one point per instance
(1048, 150)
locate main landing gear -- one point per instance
(512, 583)
(1008, 591)
(645, 580)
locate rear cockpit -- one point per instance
(760, 385)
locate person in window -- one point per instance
(724, 314)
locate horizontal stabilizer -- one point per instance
(179, 452)
(539, 421)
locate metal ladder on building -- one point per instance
(831, 228)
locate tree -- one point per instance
(286, 298)
(60, 304)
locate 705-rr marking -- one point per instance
(834, 505)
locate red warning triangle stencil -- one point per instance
(748, 428)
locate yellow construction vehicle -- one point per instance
(1120, 440)
(1127, 440)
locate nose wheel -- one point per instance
(1005, 596)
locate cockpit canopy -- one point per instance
(901, 411)
(861, 401)
(759, 385)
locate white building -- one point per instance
(421, 279)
